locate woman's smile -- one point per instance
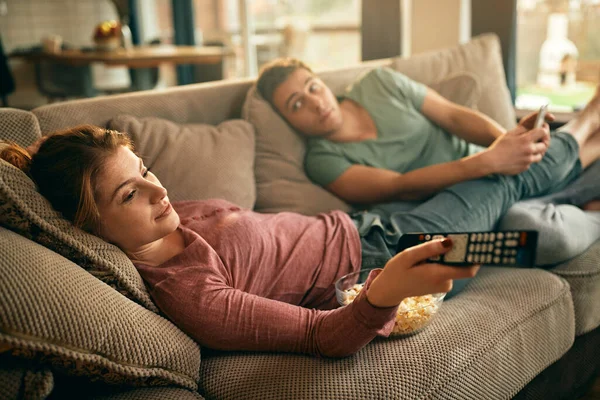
(166, 211)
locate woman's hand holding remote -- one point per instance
(407, 275)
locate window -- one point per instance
(322, 33)
(558, 53)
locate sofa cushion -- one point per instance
(487, 342)
(583, 275)
(196, 161)
(55, 313)
(462, 88)
(481, 56)
(19, 126)
(25, 211)
(281, 182)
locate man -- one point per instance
(393, 139)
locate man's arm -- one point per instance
(361, 184)
(470, 125)
(510, 154)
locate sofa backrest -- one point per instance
(209, 103)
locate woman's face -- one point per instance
(133, 205)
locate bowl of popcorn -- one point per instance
(414, 313)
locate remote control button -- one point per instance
(492, 236)
(435, 237)
(470, 258)
(435, 258)
(490, 247)
(498, 243)
(500, 235)
(496, 260)
(513, 252)
(427, 237)
(471, 248)
(476, 258)
(511, 243)
(498, 252)
(488, 258)
(479, 237)
(505, 260)
(486, 237)
(523, 238)
(478, 247)
(473, 237)
(512, 260)
(507, 252)
(459, 249)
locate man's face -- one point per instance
(307, 104)
(133, 205)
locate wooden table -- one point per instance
(136, 57)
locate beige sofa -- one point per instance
(76, 319)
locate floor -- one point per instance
(594, 393)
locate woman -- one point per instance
(238, 280)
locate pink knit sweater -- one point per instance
(265, 282)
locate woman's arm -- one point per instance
(224, 318)
(468, 124)
(510, 154)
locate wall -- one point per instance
(28, 21)
(406, 27)
(381, 28)
(435, 24)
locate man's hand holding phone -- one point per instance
(537, 119)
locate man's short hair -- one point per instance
(275, 73)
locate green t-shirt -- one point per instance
(406, 139)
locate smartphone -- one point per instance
(541, 116)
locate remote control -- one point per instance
(541, 116)
(506, 248)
